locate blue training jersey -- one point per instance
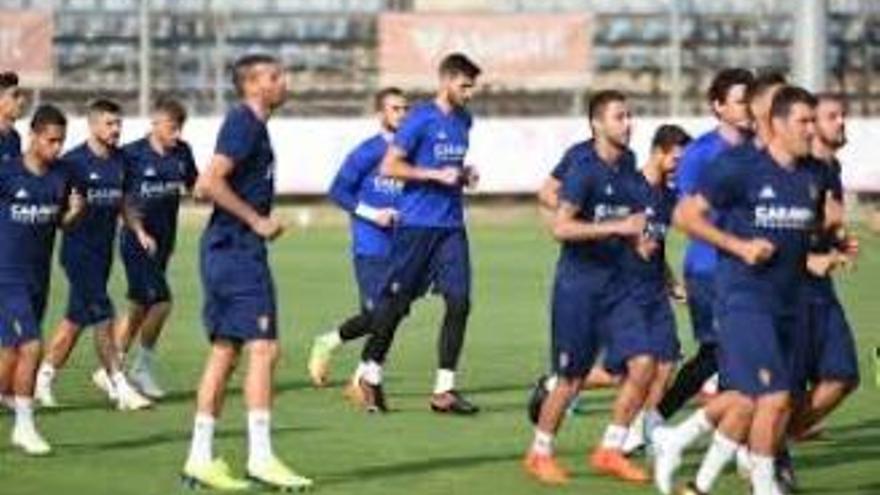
(244, 139)
(10, 145)
(700, 257)
(359, 182)
(103, 182)
(650, 275)
(822, 288)
(157, 181)
(757, 198)
(432, 138)
(30, 209)
(601, 192)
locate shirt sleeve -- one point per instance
(190, 171)
(236, 138)
(689, 169)
(410, 133)
(722, 182)
(561, 168)
(356, 167)
(575, 188)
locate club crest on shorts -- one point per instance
(765, 376)
(564, 360)
(263, 323)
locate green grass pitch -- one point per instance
(411, 451)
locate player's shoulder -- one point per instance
(242, 115)
(77, 154)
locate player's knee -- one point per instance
(640, 370)
(263, 350)
(743, 407)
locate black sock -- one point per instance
(452, 332)
(689, 380)
(355, 327)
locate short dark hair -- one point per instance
(8, 79)
(379, 97)
(764, 81)
(602, 99)
(668, 136)
(831, 96)
(242, 66)
(46, 115)
(725, 80)
(787, 97)
(456, 64)
(171, 107)
(104, 105)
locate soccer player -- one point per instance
(98, 169)
(767, 202)
(12, 102)
(826, 363)
(727, 98)
(655, 282)
(371, 200)
(430, 246)
(160, 168)
(35, 198)
(239, 291)
(598, 221)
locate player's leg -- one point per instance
(24, 433)
(113, 380)
(574, 345)
(56, 354)
(126, 327)
(8, 357)
(142, 369)
(405, 278)
(451, 268)
(202, 467)
(695, 371)
(368, 272)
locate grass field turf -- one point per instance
(99, 451)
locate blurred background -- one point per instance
(542, 59)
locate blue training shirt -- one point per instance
(358, 181)
(700, 257)
(157, 181)
(601, 192)
(244, 139)
(432, 138)
(30, 209)
(103, 183)
(650, 275)
(822, 288)
(758, 198)
(10, 145)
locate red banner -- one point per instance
(26, 45)
(515, 50)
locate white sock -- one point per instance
(259, 437)
(24, 412)
(693, 428)
(743, 459)
(543, 443)
(359, 371)
(762, 475)
(614, 437)
(201, 446)
(143, 359)
(372, 373)
(653, 419)
(720, 453)
(444, 382)
(46, 373)
(332, 339)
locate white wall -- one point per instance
(513, 154)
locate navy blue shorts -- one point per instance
(239, 291)
(701, 307)
(824, 346)
(627, 326)
(21, 312)
(88, 302)
(147, 282)
(576, 312)
(662, 331)
(754, 350)
(423, 259)
(369, 271)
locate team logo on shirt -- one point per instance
(783, 217)
(609, 190)
(441, 135)
(604, 211)
(387, 185)
(150, 172)
(767, 192)
(94, 177)
(814, 192)
(22, 194)
(33, 214)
